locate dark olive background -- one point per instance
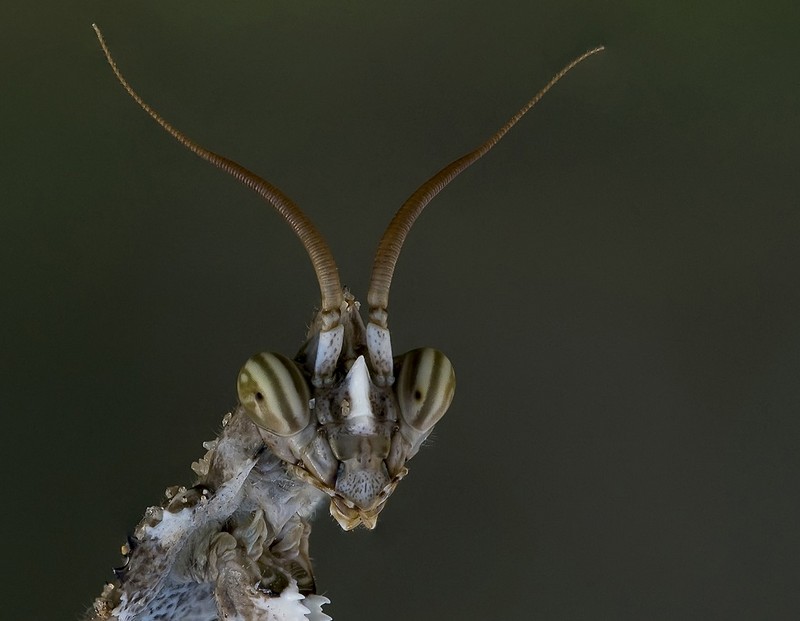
(616, 285)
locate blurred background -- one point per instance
(616, 285)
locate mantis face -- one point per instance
(345, 415)
(350, 432)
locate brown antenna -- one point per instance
(316, 247)
(392, 241)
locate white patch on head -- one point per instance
(358, 387)
(329, 347)
(379, 345)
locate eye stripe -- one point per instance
(283, 404)
(425, 387)
(271, 375)
(440, 371)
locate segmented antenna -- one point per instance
(316, 247)
(392, 241)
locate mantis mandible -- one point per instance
(336, 423)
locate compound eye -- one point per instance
(274, 394)
(425, 387)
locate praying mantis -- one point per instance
(337, 423)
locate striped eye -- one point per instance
(424, 387)
(274, 394)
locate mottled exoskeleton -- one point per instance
(338, 422)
